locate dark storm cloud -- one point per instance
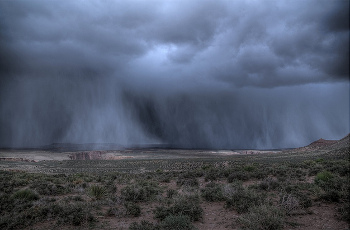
(222, 74)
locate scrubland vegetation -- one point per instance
(264, 192)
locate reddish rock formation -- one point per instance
(321, 143)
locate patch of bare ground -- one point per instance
(322, 216)
(215, 216)
(123, 223)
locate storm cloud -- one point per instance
(189, 74)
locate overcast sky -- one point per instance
(192, 74)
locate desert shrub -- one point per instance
(190, 174)
(315, 169)
(323, 177)
(26, 194)
(268, 184)
(242, 199)
(112, 211)
(308, 164)
(281, 171)
(296, 173)
(304, 200)
(132, 209)
(161, 212)
(238, 175)
(342, 168)
(18, 220)
(110, 187)
(172, 222)
(260, 174)
(143, 225)
(335, 182)
(229, 189)
(184, 205)
(335, 187)
(64, 214)
(6, 203)
(190, 182)
(6, 187)
(249, 168)
(49, 189)
(289, 203)
(303, 192)
(263, 217)
(75, 214)
(213, 174)
(142, 191)
(166, 178)
(344, 211)
(212, 192)
(331, 195)
(97, 192)
(319, 160)
(170, 193)
(10, 180)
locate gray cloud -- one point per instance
(204, 74)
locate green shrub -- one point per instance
(212, 192)
(213, 174)
(268, 184)
(238, 175)
(242, 199)
(176, 223)
(319, 160)
(26, 194)
(185, 205)
(142, 191)
(49, 189)
(304, 200)
(335, 187)
(97, 192)
(308, 164)
(324, 176)
(75, 214)
(162, 212)
(249, 168)
(132, 209)
(263, 217)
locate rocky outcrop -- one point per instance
(90, 155)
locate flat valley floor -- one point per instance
(155, 188)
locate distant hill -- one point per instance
(321, 143)
(325, 147)
(342, 143)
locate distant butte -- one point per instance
(321, 143)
